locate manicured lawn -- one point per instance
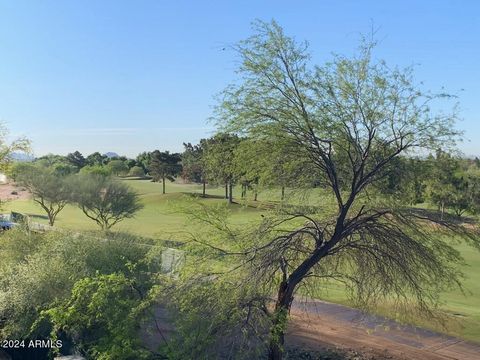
(161, 219)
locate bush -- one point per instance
(233, 325)
(102, 317)
(96, 170)
(136, 171)
(43, 275)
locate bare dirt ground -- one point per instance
(11, 191)
(317, 324)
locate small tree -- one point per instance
(104, 200)
(136, 171)
(49, 190)
(118, 167)
(164, 165)
(62, 169)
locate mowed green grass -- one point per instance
(161, 219)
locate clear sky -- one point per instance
(130, 76)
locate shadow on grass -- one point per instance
(437, 216)
(197, 195)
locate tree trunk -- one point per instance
(287, 288)
(230, 192)
(51, 219)
(203, 190)
(282, 309)
(226, 190)
(255, 195)
(283, 192)
(163, 183)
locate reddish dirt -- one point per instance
(11, 191)
(315, 325)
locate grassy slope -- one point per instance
(158, 219)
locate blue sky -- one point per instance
(130, 76)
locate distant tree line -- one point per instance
(451, 183)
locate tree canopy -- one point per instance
(164, 165)
(351, 118)
(49, 189)
(104, 200)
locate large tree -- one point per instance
(143, 160)
(76, 159)
(193, 165)
(446, 186)
(351, 118)
(219, 161)
(164, 165)
(49, 189)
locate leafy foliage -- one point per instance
(351, 118)
(102, 317)
(136, 171)
(232, 326)
(104, 200)
(118, 167)
(219, 157)
(99, 170)
(90, 292)
(76, 159)
(163, 165)
(49, 189)
(193, 168)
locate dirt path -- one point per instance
(317, 324)
(11, 191)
